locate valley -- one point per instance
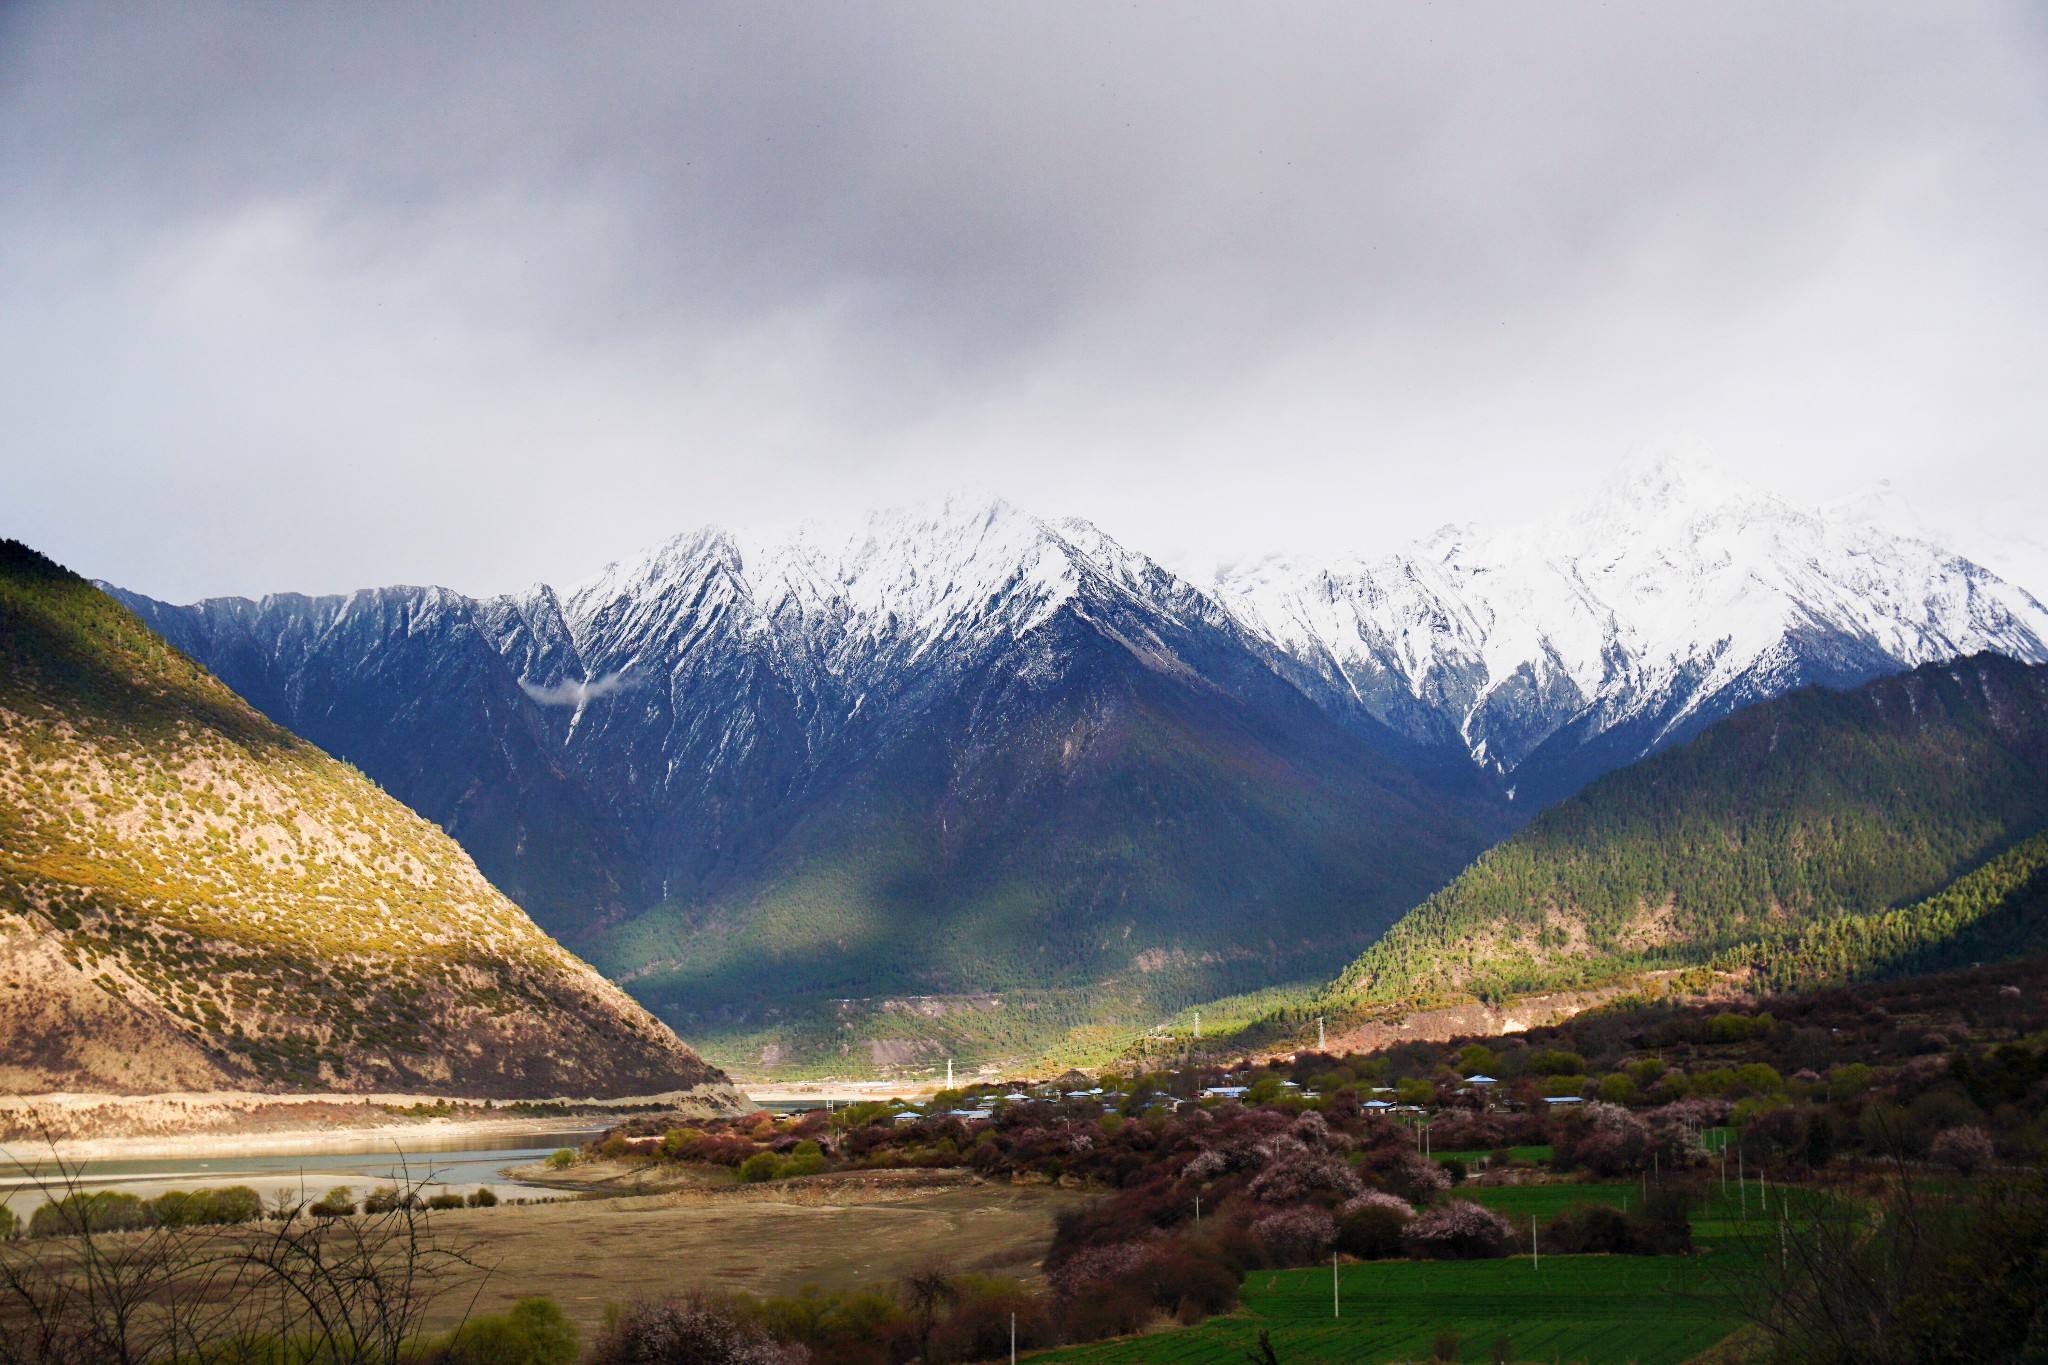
(1050, 811)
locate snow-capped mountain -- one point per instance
(1555, 651)
(949, 750)
(963, 748)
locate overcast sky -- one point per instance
(321, 296)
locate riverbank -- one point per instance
(223, 1123)
(789, 1094)
(85, 1127)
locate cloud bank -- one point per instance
(319, 297)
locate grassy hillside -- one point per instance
(191, 897)
(1793, 836)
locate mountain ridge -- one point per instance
(1556, 650)
(722, 732)
(1777, 840)
(193, 898)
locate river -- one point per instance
(457, 1164)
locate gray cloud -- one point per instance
(318, 297)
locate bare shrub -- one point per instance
(1457, 1231)
(1296, 1236)
(1968, 1149)
(101, 1291)
(698, 1329)
(1305, 1177)
(1416, 1179)
(1090, 1264)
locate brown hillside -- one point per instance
(193, 898)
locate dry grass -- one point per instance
(768, 1239)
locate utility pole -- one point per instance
(1198, 1026)
(1336, 1308)
(1013, 1339)
(1535, 1259)
(1320, 1045)
(949, 1073)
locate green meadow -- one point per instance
(1598, 1310)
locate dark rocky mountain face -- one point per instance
(952, 756)
(409, 686)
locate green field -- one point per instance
(1600, 1310)
(1538, 1155)
(1714, 1139)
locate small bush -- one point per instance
(534, 1333)
(102, 1211)
(232, 1204)
(807, 1159)
(445, 1200)
(1105, 1308)
(485, 1198)
(1660, 1229)
(1371, 1234)
(338, 1202)
(1967, 1149)
(561, 1159)
(760, 1166)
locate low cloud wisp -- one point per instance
(570, 692)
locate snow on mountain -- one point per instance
(1663, 601)
(837, 609)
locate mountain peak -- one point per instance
(1675, 592)
(1677, 473)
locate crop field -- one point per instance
(1598, 1310)
(1730, 1215)
(1539, 1155)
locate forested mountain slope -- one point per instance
(193, 898)
(1769, 839)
